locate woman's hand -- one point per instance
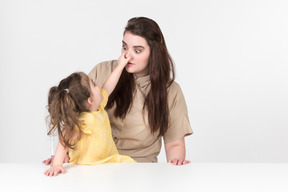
(179, 162)
(54, 170)
(49, 161)
(175, 152)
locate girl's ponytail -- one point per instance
(64, 104)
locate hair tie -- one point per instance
(67, 90)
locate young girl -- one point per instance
(76, 110)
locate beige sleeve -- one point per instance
(101, 71)
(179, 125)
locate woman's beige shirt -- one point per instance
(132, 135)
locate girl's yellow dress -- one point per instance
(96, 145)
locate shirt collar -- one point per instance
(142, 81)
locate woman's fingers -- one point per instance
(48, 161)
(179, 162)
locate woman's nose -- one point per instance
(127, 54)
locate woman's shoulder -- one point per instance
(175, 93)
(104, 66)
(174, 88)
(108, 64)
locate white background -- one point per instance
(231, 62)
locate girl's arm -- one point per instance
(112, 80)
(175, 152)
(49, 161)
(60, 154)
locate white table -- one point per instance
(147, 177)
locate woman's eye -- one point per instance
(124, 47)
(137, 51)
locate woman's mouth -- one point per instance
(129, 64)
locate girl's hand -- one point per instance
(53, 171)
(122, 60)
(179, 162)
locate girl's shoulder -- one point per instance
(87, 121)
(105, 99)
(86, 117)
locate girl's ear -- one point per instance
(90, 101)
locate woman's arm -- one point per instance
(60, 154)
(113, 79)
(175, 152)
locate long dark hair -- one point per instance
(65, 102)
(161, 71)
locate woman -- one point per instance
(147, 103)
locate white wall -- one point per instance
(231, 62)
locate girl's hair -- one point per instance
(161, 71)
(65, 101)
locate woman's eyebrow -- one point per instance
(136, 46)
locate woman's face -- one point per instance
(137, 49)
